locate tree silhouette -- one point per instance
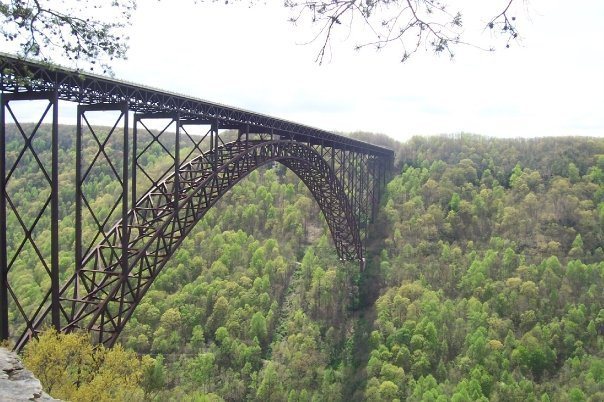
(413, 24)
(88, 33)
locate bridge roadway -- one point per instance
(115, 267)
(18, 75)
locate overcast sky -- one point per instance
(550, 84)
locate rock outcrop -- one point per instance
(18, 383)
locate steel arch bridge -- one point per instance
(205, 148)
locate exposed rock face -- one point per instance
(17, 383)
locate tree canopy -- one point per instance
(484, 281)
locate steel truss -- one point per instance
(119, 252)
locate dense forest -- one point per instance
(484, 281)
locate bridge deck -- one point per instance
(84, 88)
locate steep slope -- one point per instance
(495, 272)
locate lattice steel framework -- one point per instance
(206, 148)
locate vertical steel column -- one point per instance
(212, 140)
(349, 189)
(380, 186)
(368, 204)
(360, 171)
(359, 192)
(362, 192)
(3, 250)
(78, 210)
(352, 188)
(361, 195)
(125, 229)
(214, 144)
(125, 178)
(344, 171)
(54, 216)
(176, 188)
(333, 159)
(370, 187)
(134, 157)
(385, 174)
(375, 190)
(365, 193)
(376, 187)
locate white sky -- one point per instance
(552, 84)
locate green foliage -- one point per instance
(488, 284)
(72, 369)
(258, 327)
(154, 378)
(494, 272)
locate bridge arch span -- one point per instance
(102, 296)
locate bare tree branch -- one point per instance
(506, 24)
(412, 23)
(80, 35)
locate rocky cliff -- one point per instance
(18, 383)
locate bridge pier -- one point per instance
(51, 176)
(84, 175)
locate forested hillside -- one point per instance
(493, 270)
(485, 281)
